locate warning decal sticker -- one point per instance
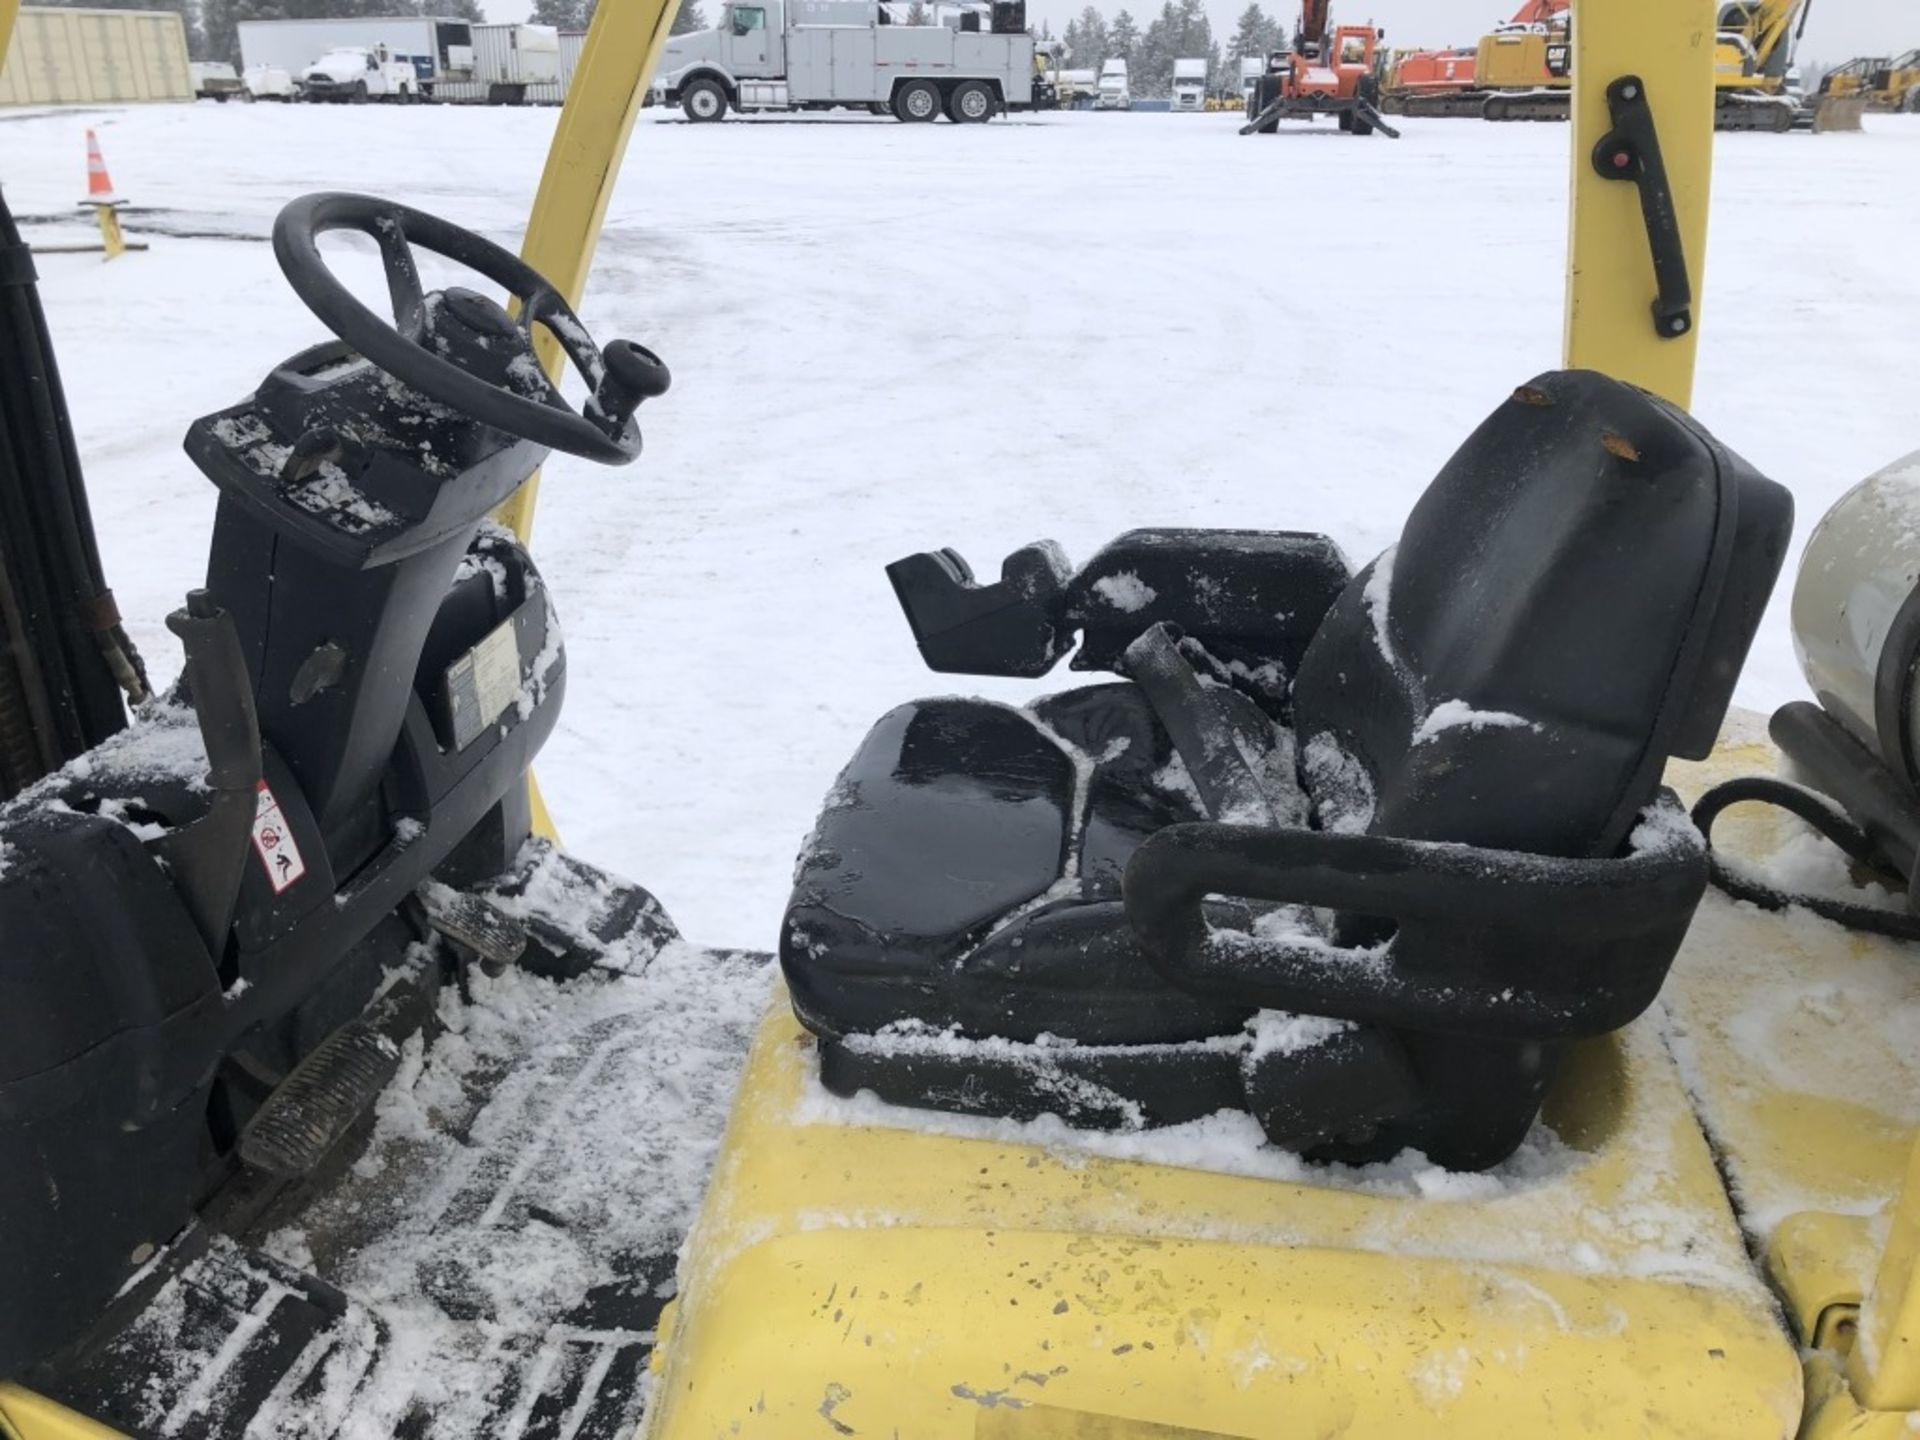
(273, 842)
(482, 683)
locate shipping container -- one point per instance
(87, 57)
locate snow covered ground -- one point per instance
(888, 338)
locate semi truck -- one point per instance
(1113, 93)
(1189, 85)
(783, 55)
(437, 50)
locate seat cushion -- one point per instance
(966, 872)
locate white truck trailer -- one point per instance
(851, 54)
(1189, 85)
(438, 50)
(1113, 93)
(511, 64)
(1252, 67)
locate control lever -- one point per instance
(1631, 152)
(209, 857)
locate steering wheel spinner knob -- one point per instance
(632, 373)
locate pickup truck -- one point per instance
(215, 80)
(357, 74)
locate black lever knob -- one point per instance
(633, 373)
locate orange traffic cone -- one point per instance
(99, 184)
(101, 198)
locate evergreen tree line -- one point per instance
(213, 33)
(1181, 31)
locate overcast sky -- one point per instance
(1839, 29)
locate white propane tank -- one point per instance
(1856, 614)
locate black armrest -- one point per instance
(1250, 595)
(1488, 942)
(1012, 627)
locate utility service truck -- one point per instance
(356, 74)
(1113, 93)
(1189, 85)
(436, 50)
(771, 55)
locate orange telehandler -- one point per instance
(1328, 71)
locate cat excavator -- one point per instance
(1530, 52)
(1522, 72)
(1330, 1022)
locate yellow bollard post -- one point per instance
(102, 201)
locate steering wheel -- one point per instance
(519, 399)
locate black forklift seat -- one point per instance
(1359, 853)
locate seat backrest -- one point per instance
(1569, 604)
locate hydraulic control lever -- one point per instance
(209, 857)
(1630, 151)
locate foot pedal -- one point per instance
(480, 925)
(316, 1104)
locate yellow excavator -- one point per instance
(1522, 73)
(1261, 1044)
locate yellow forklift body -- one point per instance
(880, 1276)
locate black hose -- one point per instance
(1826, 817)
(65, 660)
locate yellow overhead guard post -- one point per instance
(1618, 226)
(9, 12)
(616, 64)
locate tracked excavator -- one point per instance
(1522, 72)
(1530, 52)
(1329, 1021)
